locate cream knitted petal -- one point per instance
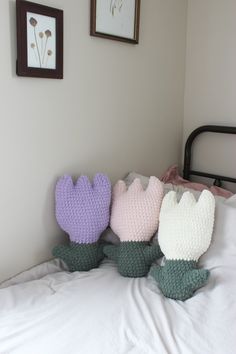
(169, 202)
(186, 227)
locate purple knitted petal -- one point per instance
(83, 210)
(64, 188)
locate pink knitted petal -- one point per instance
(135, 213)
(118, 189)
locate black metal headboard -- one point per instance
(188, 150)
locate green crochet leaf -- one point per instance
(179, 279)
(134, 259)
(112, 252)
(80, 257)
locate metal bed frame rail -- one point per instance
(188, 153)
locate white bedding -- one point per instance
(48, 310)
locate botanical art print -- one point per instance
(115, 19)
(41, 41)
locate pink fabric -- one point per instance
(172, 176)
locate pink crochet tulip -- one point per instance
(134, 218)
(135, 212)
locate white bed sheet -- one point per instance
(100, 312)
(48, 310)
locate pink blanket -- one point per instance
(172, 176)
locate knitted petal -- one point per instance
(135, 212)
(83, 210)
(186, 227)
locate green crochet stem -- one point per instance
(179, 279)
(80, 257)
(134, 259)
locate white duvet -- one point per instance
(48, 310)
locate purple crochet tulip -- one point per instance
(83, 209)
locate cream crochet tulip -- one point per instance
(186, 227)
(135, 212)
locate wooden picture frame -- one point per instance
(39, 40)
(115, 19)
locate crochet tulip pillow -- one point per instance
(83, 212)
(134, 218)
(185, 233)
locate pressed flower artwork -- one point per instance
(41, 41)
(115, 19)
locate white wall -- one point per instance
(119, 108)
(210, 91)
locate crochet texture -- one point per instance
(134, 218)
(185, 233)
(82, 211)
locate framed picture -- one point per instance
(115, 19)
(39, 40)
